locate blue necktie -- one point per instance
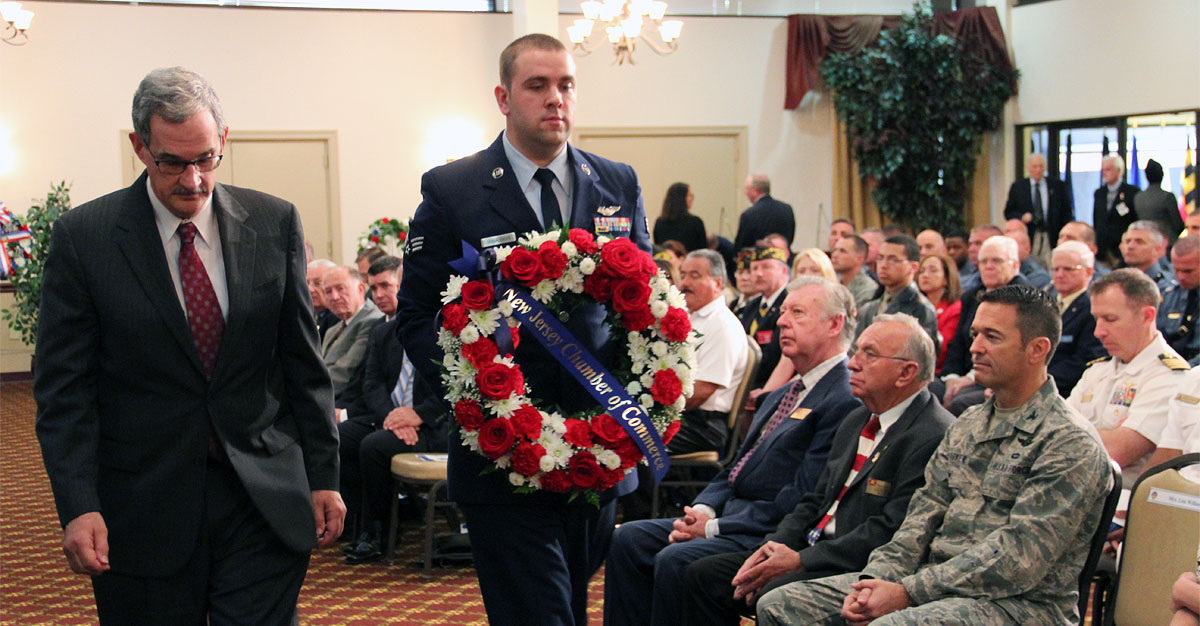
(551, 213)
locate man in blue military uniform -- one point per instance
(1177, 315)
(534, 553)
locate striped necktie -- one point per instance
(786, 405)
(866, 442)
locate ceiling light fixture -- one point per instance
(622, 22)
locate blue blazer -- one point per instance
(477, 200)
(787, 464)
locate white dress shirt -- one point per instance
(207, 243)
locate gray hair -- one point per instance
(761, 183)
(1149, 226)
(1006, 245)
(325, 263)
(1116, 160)
(918, 345)
(1078, 247)
(836, 300)
(716, 264)
(174, 94)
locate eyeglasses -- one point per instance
(870, 356)
(175, 167)
(891, 260)
(1066, 268)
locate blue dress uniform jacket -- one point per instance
(1177, 317)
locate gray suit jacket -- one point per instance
(909, 300)
(345, 345)
(124, 409)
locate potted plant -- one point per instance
(29, 260)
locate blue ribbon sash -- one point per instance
(600, 384)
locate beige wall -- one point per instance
(1093, 58)
(402, 90)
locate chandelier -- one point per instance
(16, 20)
(622, 22)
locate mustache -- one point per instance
(184, 191)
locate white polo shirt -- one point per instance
(720, 352)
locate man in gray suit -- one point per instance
(183, 411)
(345, 345)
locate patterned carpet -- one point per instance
(37, 588)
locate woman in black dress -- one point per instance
(676, 223)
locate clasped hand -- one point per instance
(690, 526)
(871, 599)
(770, 561)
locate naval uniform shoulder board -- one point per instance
(1099, 360)
(1174, 362)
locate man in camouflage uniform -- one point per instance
(999, 532)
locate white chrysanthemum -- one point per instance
(660, 284)
(679, 402)
(647, 380)
(544, 291)
(571, 280)
(547, 463)
(470, 439)
(659, 309)
(558, 450)
(453, 289)
(587, 266)
(487, 321)
(602, 239)
(501, 358)
(444, 337)
(469, 334)
(659, 348)
(449, 360)
(646, 401)
(675, 299)
(554, 422)
(516, 479)
(505, 407)
(505, 308)
(534, 240)
(569, 249)
(504, 462)
(502, 253)
(686, 353)
(534, 482)
(634, 387)
(608, 459)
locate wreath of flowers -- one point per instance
(539, 447)
(385, 232)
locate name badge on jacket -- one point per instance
(763, 337)
(876, 487)
(612, 226)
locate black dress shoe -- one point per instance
(364, 552)
(351, 546)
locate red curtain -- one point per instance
(812, 37)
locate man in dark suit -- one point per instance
(877, 461)
(1071, 263)
(534, 553)
(316, 271)
(766, 215)
(1113, 209)
(184, 414)
(778, 463)
(1041, 203)
(897, 267)
(770, 271)
(1159, 205)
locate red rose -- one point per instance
(454, 318)
(608, 430)
(468, 414)
(556, 481)
(639, 320)
(608, 477)
(522, 265)
(403, 236)
(375, 238)
(669, 433)
(579, 433)
(496, 437)
(554, 262)
(478, 295)
(480, 353)
(666, 387)
(528, 422)
(649, 267)
(526, 459)
(676, 324)
(631, 296)
(384, 220)
(583, 240)
(620, 258)
(584, 470)
(515, 333)
(598, 286)
(497, 381)
(629, 452)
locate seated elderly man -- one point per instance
(998, 265)
(313, 275)
(780, 461)
(897, 267)
(877, 462)
(345, 343)
(1125, 395)
(1180, 309)
(1085, 234)
(1144, 247)
(1071, 263)
(769, 267)
(1012, 497)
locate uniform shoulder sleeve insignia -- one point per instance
(1174, 362)
(1099, 360)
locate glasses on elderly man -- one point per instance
(869, 355)
(178, 166)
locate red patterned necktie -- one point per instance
(786, 405)
(200, 300)
(866, 442)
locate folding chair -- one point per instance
(1088, 575)
(687, 463)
